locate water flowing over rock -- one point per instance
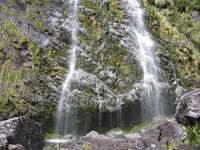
(21, 131)
(105, 88)
(142, 45)
(188, 107)
(64, 111)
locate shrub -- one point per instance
(194, 134)
(187, 5)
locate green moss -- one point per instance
(115, 9)
(86, 146)
(7, 10)
(91, 108)
(9, 74)
(34, 50)
(13, 88)
(92, 24)
(137, 128)
(182, 34)
(187, 5)
(11, 34)
(40, 2)
(91, 4)
(51, 136)
(171, 145)
(35, 15)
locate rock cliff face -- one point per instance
(175, 25)
(34, 53)
(33, 50)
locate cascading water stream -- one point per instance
(100, 106)
(64, 112)
(143, 47)
(139, 42)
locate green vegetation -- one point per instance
(86, 146)
(100, 19)
(52, 136)
(137, 128)
(179, 34)
(115, 9)
(25, 65)
(12, 35)
(193, 134)
(171, 145)
(188, 5)
(91, 20)
(193, 137)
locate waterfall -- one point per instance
(100, 106)
(143, 46)
(64, 111)
(140, 43)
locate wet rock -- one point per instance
(115, 133)
(196, 16)
(163, 3)
(149, 137)
(179, 92)
(3, 141)
(171, 131)
(136, 144)
(16, 147)
(186, 147)
(188, 108)
(156, 147)
(95, 141)
(90, 89)
(23, 131)
(160, 3)
(132, 135)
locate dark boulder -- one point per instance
(188, 107)
(21, 132)
(169, 131)
(149, 137)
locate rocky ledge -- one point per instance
(158, 136)
(21, 133)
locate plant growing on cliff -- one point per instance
(194, 134)
(187, 5)
(114, 8)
